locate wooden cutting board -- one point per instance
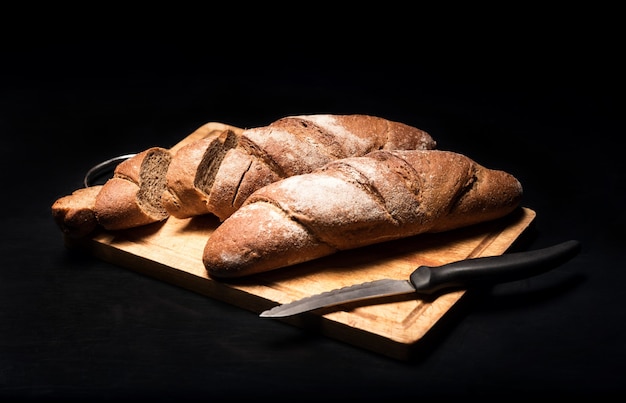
(171, 251)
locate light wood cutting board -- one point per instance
(171, 251)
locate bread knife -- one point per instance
(427, 280)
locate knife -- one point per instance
(427, 280)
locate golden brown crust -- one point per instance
(217, 174)
(74, 213)
(222, 167)
(239, 175)
(296, 145)
(234, 250)
(356, 202)
(116, 206)
(132, 197)
(192, 171)
(181, 198)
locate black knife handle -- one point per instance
(492, 269)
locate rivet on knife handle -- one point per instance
(427, 280)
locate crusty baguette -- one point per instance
(355, 202)
(221, 173)
(222, 166)
(189, 169)
(74, 213)
(132, 197)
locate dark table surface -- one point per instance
(75, 327)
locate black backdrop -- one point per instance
(545, 109)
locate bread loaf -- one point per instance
(355, 202)
(223, 165)
(216, 176)
(74, 213)
(132, 197)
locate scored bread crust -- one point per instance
(223, 165)
(355, 202)
(296, 145)
(258, 156)
(190, 165)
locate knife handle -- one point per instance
(492, 269)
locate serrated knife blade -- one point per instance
(428, 280)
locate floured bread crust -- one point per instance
(296, 145)
(355, 202)
(216, 175)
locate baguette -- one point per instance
(355, 202)
(222, 166)
(132, 197)
(216, 176)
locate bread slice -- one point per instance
(192, 172)
(132, 197)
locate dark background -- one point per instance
(540, 98)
